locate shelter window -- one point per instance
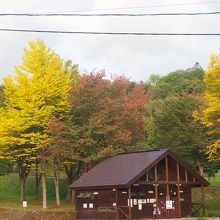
(141, 193)
(138, 193)
(134, 193)
(160, 172)
(151, 175)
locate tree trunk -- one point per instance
(72, 173)
(69, 177)
(201, 170)
(23, 174)
(22, 188)
(86, 167)
(200, 167)
(73, 196)
(56, 181)
(69, 192)
(44, 187)
(37, 183)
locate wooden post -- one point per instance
(167, 185)
(147, 177)
(116, 200)
(156, 189)
(203, 199)
(178, 188)
(167, 176)
(186, 176)
(129, 203)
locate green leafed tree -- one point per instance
(170, 123)
(177, 83)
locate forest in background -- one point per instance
(55, 120)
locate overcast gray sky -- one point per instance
(133, 56)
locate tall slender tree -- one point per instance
(38, 91)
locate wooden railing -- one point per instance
(123, 212)
(196, 207)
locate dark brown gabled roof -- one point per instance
(122, 170)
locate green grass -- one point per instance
(11, 207)
(215, 181)
(10, 190)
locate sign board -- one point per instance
(24, 204)
(140, 206)
(169, 204)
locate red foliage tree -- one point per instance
(108, 114)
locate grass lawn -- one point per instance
(215, 181)
(10, 194)
(11, 207)
(9, 188)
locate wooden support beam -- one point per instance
(167, 185)
(169, 182)
(155, 174)
(186, 176)
(156, 189)
(166, 168)
(167, 176)
(178, 172)
(178, 188)
(116, 200)
(147, 177)
(129, 203)
(203, 199)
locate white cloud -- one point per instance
(135, 57)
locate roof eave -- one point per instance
(107, 187)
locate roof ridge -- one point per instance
(142, 151)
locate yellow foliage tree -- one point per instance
(211, 112)
(38, 91)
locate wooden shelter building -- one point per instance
(138, 185)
